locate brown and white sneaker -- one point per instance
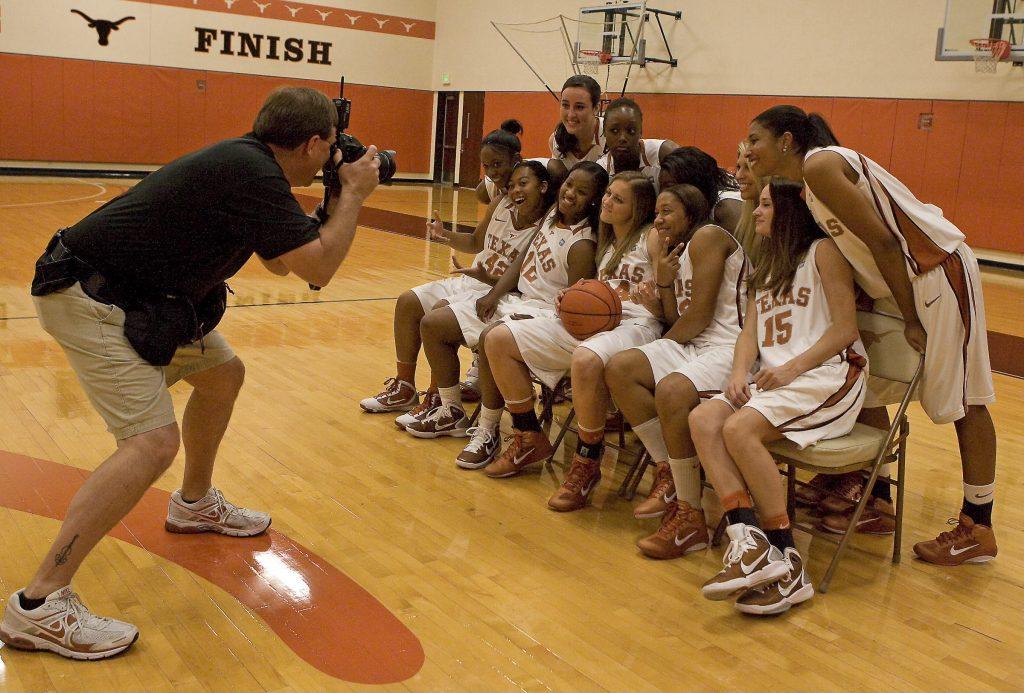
(445, 420)
(525, 448)
(967, 543)
(750, 561)
(845, 493)
(683, 529)
(397, 395)
(786, 592)
(431, 400)
(874, 520)
(583, 477)
(64, 625)
(481, 449)
(213, 513)
(813, 493)
(663, 493)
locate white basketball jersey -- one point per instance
(730, 304)
(492, 188)
(926, 237)
(593, 154)
(650, 160)
(545, 270)
(634, 268)
(790, 325)
(502, 242)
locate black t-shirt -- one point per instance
(193, 223)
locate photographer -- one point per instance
(132, 293)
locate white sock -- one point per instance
(489, 418)
(686, 475)
(980, 495)
(883, 470)
(451, 396)
(649, 433)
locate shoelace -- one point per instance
(439, 412)
(578, 473)
(430, 401)
(515, 444)
(953, 535)
(479, 438)
(737, 549)
(661, 484)
(391, 387)
(850, 488)
(673, 520)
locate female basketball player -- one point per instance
(499, 153)
(905, 250)
(509, 233)
(802, 330)
(579, 135)
(700, 284)
(561, 253)
(544, 347)
(696, 167)
(626, 148)
(750, 187)
(400, 393)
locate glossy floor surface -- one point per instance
(390, 568)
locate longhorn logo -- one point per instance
(103, 27)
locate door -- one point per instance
(472, 133)
(446, 136)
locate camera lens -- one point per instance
(386, 172)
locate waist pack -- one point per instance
(155, 324)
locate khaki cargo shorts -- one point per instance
(129, 393)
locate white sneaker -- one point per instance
(64, 625)
(481, 449)
(431, 399)
(212, 513)
(397, 395)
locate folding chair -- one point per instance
(865, 448)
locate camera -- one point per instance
(352, 149)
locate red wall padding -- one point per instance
(55, 109)
(971, 163)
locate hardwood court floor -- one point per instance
(501, 593)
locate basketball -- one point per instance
(589, 307)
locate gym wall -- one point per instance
(185, 73)
(867, 66)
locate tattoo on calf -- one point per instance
(62, 556)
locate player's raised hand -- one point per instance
(666, 266)
(436, 230)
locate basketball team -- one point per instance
(739, 299)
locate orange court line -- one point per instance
(320, 613)
(307, 13)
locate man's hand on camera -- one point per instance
(359, 178)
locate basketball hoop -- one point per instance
(590, 62)
(988, 52)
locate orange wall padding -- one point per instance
(56, 109)
(971, 163)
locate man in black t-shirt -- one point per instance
(177, 235)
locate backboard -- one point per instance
(616, 31)
(973, 19)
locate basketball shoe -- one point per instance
(846, 491)
(470, 387)
(874, 520)
(812, 494)
(663, 492)
(431, 399)
(583, 477)
(213, 513)
(481, 449)
(966, 543)
(526, 448)
(786, 592)
(398, 395)
(445, 420)
(750, 561)
(683, 529)
(64, 625)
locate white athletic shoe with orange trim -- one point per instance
(64, 625)
(213, 513)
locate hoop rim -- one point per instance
(603, 57)
(992, 45)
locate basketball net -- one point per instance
(988, 52)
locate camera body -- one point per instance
(352, 149)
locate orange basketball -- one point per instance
(589, 307)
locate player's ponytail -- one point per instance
(808, 131)
(563, 140)
(506, 138)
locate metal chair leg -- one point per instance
(716, 538)
(475, 415)
(901, 470)
(561, 434)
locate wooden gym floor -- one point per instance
(389, 567)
